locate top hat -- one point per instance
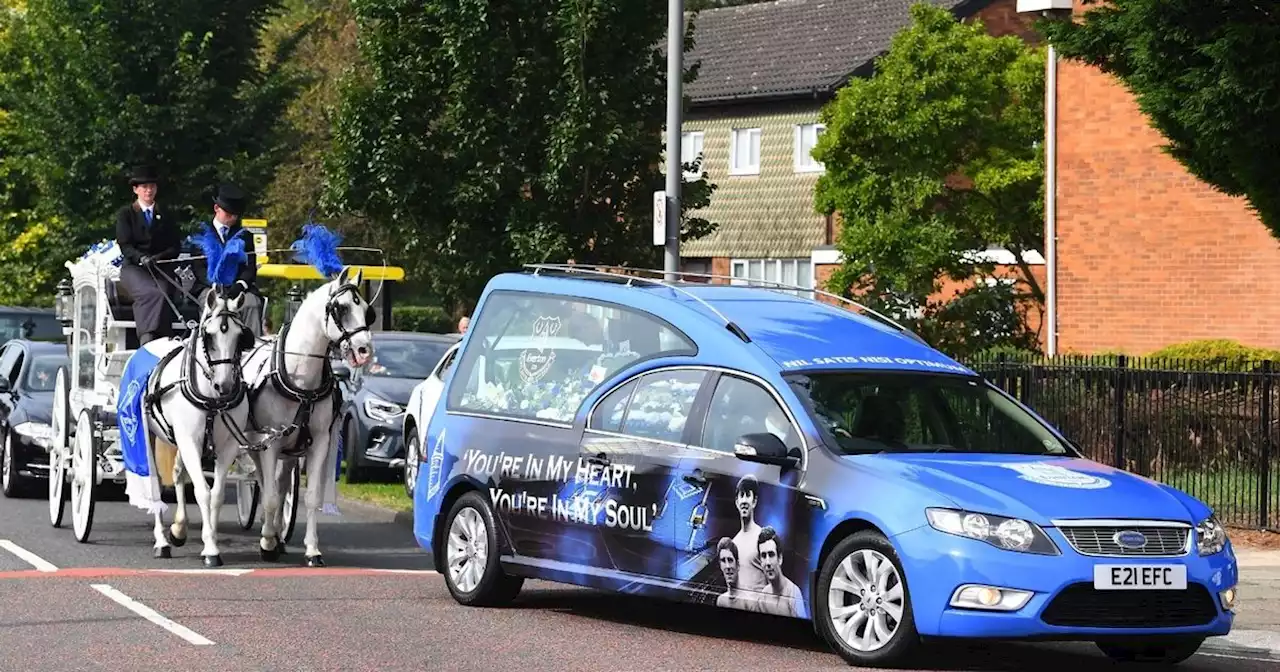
(143, 175)
(231, 198)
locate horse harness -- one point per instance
(214, 407)
(307, 399)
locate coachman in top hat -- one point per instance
(147, 233)
(228, 206)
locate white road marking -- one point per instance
(151, 614)
(222, 572)
(1231, 657)
(31, 558)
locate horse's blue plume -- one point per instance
(318, 246)
(222, 263)
(211, 246)
(228, 266)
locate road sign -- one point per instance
(258, 227)
(659, 217)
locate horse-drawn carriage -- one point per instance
(97, 320)
(225, 378)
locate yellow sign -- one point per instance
(258, 227)
(307, 272)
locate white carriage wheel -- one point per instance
(247, 496)
(57, 452)
(84, 477)
(289, 512)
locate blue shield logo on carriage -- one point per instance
(128, 421)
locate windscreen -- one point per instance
(865, 413)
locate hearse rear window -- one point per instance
(538, 356)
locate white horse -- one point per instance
(292, 386)
(197, 399)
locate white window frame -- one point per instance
(740, 269)
(802, 160)
(756, 137)
(687, 141)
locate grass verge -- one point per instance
(386, 495)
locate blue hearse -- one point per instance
(757, 449)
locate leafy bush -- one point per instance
(429, 319)
(1219, 354)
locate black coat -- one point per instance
(161, 241)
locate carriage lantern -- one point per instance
(62, 304)
(294, 302)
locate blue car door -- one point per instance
(632, 450)
(754, 554)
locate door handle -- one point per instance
(600, 459)
(696, 477)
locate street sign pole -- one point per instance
(675, 79)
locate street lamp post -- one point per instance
(675, 81)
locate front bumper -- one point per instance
(937, 564)
(380, 445)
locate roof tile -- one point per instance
(791, 47)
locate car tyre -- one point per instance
(355, 473)
(470, 552)
(411, 461)
(1159, 652)
(861, 568)
(14, 484)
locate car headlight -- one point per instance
(1011, 534)
(1211, 536)
(37, 433)
(382, 411)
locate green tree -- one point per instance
(484, 136)
(1205, 73)
(92, 88)
(933, 157)
(325, 35)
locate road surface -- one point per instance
(107, 605)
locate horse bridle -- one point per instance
(206, 364)
(331, 310)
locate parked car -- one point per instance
(38, 324)
(761, 450)
(27, 373)
(374, 399)
(417, 416)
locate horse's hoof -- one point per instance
(271, 555)
(176, 542)
(163, 552)
(315, 561)
(213, 561)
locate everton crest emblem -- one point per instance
(535, 362)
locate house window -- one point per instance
(794, 272)
(744, 151)
(690, 151)
(806, 139)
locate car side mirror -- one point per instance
(764, 448)
(343, 373)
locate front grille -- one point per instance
(1101, 540)
(1079, 605)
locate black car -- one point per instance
(28, 370)
(373, 400)
(38, 324)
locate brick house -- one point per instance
(1146, 254)
(766, 71)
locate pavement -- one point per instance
(377, 605)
